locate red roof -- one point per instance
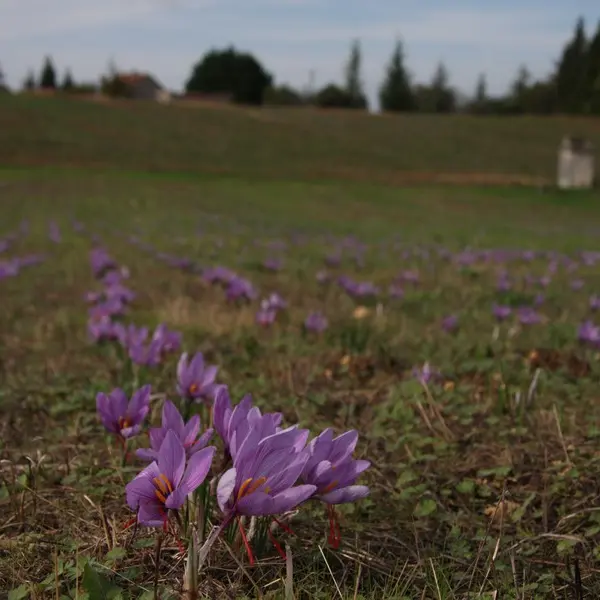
(133, 78)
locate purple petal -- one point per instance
(292, 497)
(197, 469)
(151, 515)
(146, 454)
(171, 458)
(225, 488)
(190, 431)
(172, 419)
(140, 401)
(346, 494)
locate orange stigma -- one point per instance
(124, 422)
(251, 485)
(193, 388)
(163, 487)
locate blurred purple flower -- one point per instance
(195, 380)
(316, 322)
(595, 302)
(528, 316)
(589, 333)
(266, 316)
(426, 373)
(501, 312)
(450, 323)
(121, 416)
(576, 284)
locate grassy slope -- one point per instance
(440, 465)
(278, 142)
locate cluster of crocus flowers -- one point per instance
(268, 469)
(110, 305)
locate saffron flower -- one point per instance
(195, 380)
(501, 312)
(234, 423)
(166, 482)
(121, 416)
(261, 481)
(187, 433)
(450, 323)
(315, 321)
(332, 470)
(266, 316)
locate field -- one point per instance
(484, 469)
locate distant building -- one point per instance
(142, 86)
(576, 168)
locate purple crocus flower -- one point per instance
(240, 289)
(105, 329)
(169, 341)
(395, 291)
(54, 232)
(272, 264)
(595, 302)
(234, 423)
(265, 316)
(195, 380)
(501, 312)
(261, 481)
(316, 322)
(450, 323)
(165, 483)
(121, 416)
(528, 316)
(576, 284)
(274, 302)
(186, 432)
(332, 470)
(589, 333)
(426, 373)
(146, 354)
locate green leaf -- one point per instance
(19, 593)
(117, 553)
(98, 586)
(425, 507)
(466, 486)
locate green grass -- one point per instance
(444, 461)
(283, 143)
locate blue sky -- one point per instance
(291, 37)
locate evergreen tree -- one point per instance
(2, 79)
(48, 75)
(354, 84)
(29, 81)
(571, 73)
(593, 73)
(396, 94)
(67, 83)
(519, 91)
(481, 90)
(443, 96)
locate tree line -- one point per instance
(573, 86)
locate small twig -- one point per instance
(560, 435)
(337, 587)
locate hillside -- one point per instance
(290, 143)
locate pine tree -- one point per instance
(443, 96)
(571, 73)
(48, 75)
(396, 94)
(67, 83)
(29, 81)
(519, 90)
(593, 73)
(481, 90)
(354, 84)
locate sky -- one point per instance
(292, 38)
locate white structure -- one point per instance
(575, 164)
